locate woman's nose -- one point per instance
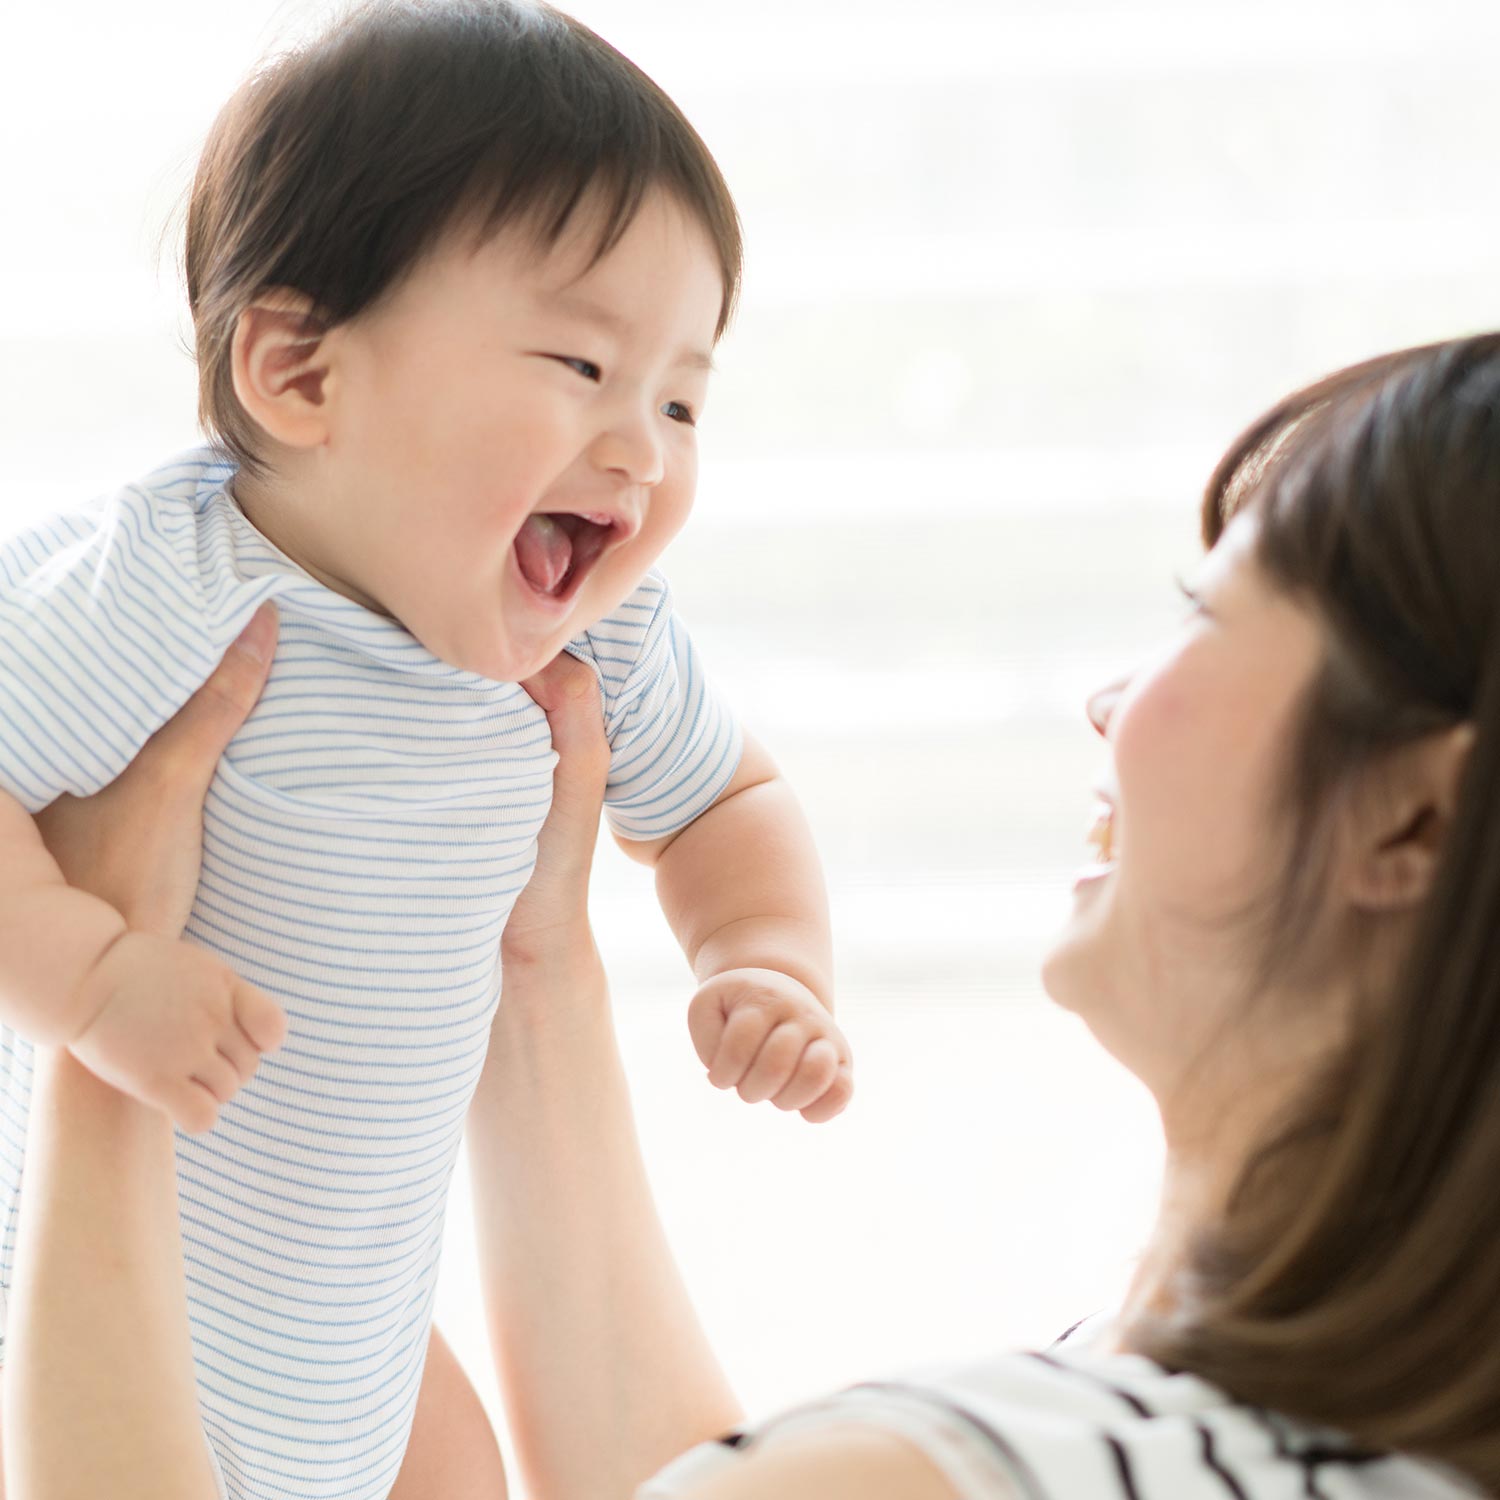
(1101, 705)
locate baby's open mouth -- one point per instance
(556, 550)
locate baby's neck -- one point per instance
(280, 512)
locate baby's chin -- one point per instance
(519, 640)
(504, 663)
(494, 654)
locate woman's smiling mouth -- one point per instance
(1101, 839)
(1101, 836)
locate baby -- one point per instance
(456, 272)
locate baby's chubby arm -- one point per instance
(157, 1019)
(101, 971)
(743, 890)
(52, 937)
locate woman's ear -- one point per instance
(1402, 828)
(280, 361)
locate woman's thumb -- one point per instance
(201, 731)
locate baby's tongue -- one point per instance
(544, 551)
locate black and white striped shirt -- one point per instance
(1078, 1422)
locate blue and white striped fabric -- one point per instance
(365, 838)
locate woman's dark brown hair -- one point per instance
(336, 168)
(1355, 1279)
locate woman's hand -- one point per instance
(100, 1391)
(138, 844)
(604, 1366)
(172, 1025)
(551, 919)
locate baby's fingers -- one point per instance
(816, 1069)
(240, 1052)
(219, 1076)
(775, 1063)
(742, 1037)
(706, 1027)
(834, 1099)
(191, 1107)
(259, 1017)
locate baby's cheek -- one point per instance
(668, 512)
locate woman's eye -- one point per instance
(585, 367)
(680, 412)
(1194, 600)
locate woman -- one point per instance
(1291, 936)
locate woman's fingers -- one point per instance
(188, 746)
(137, 843)
(555, 900)
(567, 691)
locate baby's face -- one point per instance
(514, 440)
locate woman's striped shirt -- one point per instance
(365, 837)
(1080, 1422)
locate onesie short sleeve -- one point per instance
(102, 636)
(674, 743)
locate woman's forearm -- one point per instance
(605, 1367)
(99, 1392)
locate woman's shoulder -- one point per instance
(1082, 1421)
(1083, 1418)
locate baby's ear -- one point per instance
(1402, 828)
(279, 359)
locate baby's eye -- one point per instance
(585, 367)
(680, 411)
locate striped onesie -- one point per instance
(365, 838)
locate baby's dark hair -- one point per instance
(335, 168)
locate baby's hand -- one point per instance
(768, 1036)
(174, 1027)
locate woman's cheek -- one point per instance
(1170, 780)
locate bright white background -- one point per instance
(1018, 269)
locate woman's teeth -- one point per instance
(1102, 835)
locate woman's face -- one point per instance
(1160, 946)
